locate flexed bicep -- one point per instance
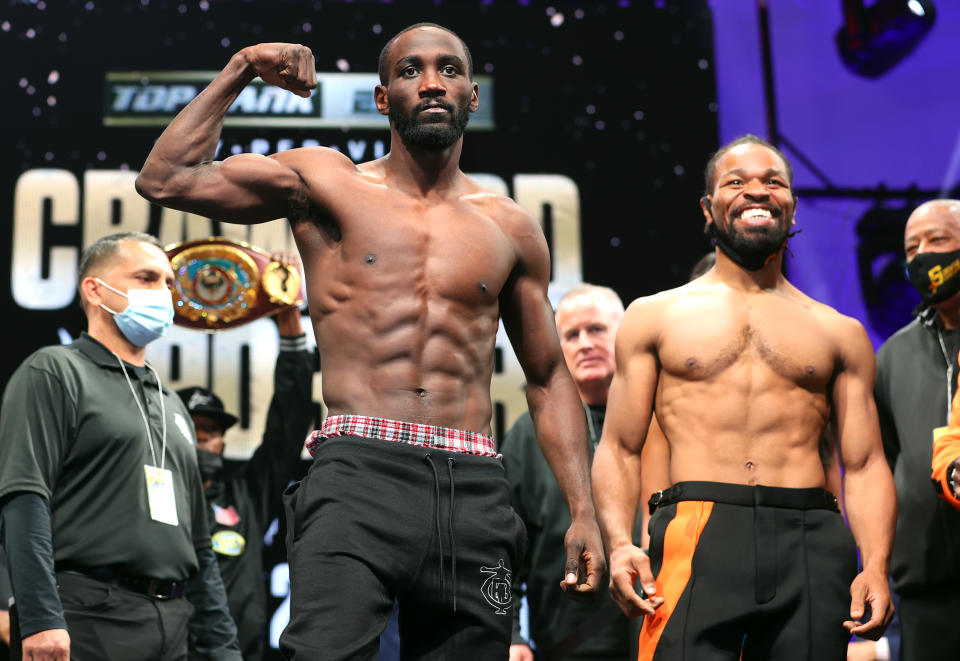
(180, 172)
(247, 188)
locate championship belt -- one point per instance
(220, 283)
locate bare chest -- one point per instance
(783, 340)
(388, 244)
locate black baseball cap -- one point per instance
(200, 401)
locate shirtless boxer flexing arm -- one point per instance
(408, 266)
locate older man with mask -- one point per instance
(916, 381)
(587, 319)
(103, 514)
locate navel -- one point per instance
(482, 286)
(750, 466)
(370, 258)
(420, 392)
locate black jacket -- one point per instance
(246, 503)
(537, 499)
(916, 379)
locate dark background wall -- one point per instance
(618, 96)
(626, 98)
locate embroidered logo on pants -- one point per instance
(496, 589)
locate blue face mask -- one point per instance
(147, 316)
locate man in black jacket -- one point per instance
(587, 319)
(916, 380)
(245, 502)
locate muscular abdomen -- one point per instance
(406, 320)
(745, 424)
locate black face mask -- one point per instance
(935, 275)
(211, 465)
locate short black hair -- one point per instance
(382, 63)
(711, 170)
(102, 249)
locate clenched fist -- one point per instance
(289, 66)
(49, 645)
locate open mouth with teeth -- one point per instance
(757, 216)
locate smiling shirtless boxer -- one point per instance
(748, 554)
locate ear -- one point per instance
(380, 98)
(475, 98)
(705, 203)
(793, 221)
(90, 292)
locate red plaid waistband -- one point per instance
(397, 431)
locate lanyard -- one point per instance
(143, 415)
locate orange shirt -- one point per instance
(946, 448)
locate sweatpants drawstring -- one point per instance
(451, 462)
(453, 539)
(436, 488)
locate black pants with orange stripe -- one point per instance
(760, 571)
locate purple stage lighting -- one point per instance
(874, 39)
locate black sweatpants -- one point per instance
(110, 623)
(376, 520)
(768, 576)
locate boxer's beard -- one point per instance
(434, 135)
(757, 245)
(755, 248)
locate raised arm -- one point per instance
(869, 492)
(616, 463)
(247, 188)
(554, 403)
(289, 417)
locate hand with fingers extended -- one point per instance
(870, 589)
(289, 66)
(628, 564)
(585, 564)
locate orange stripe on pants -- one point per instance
(679, 544)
